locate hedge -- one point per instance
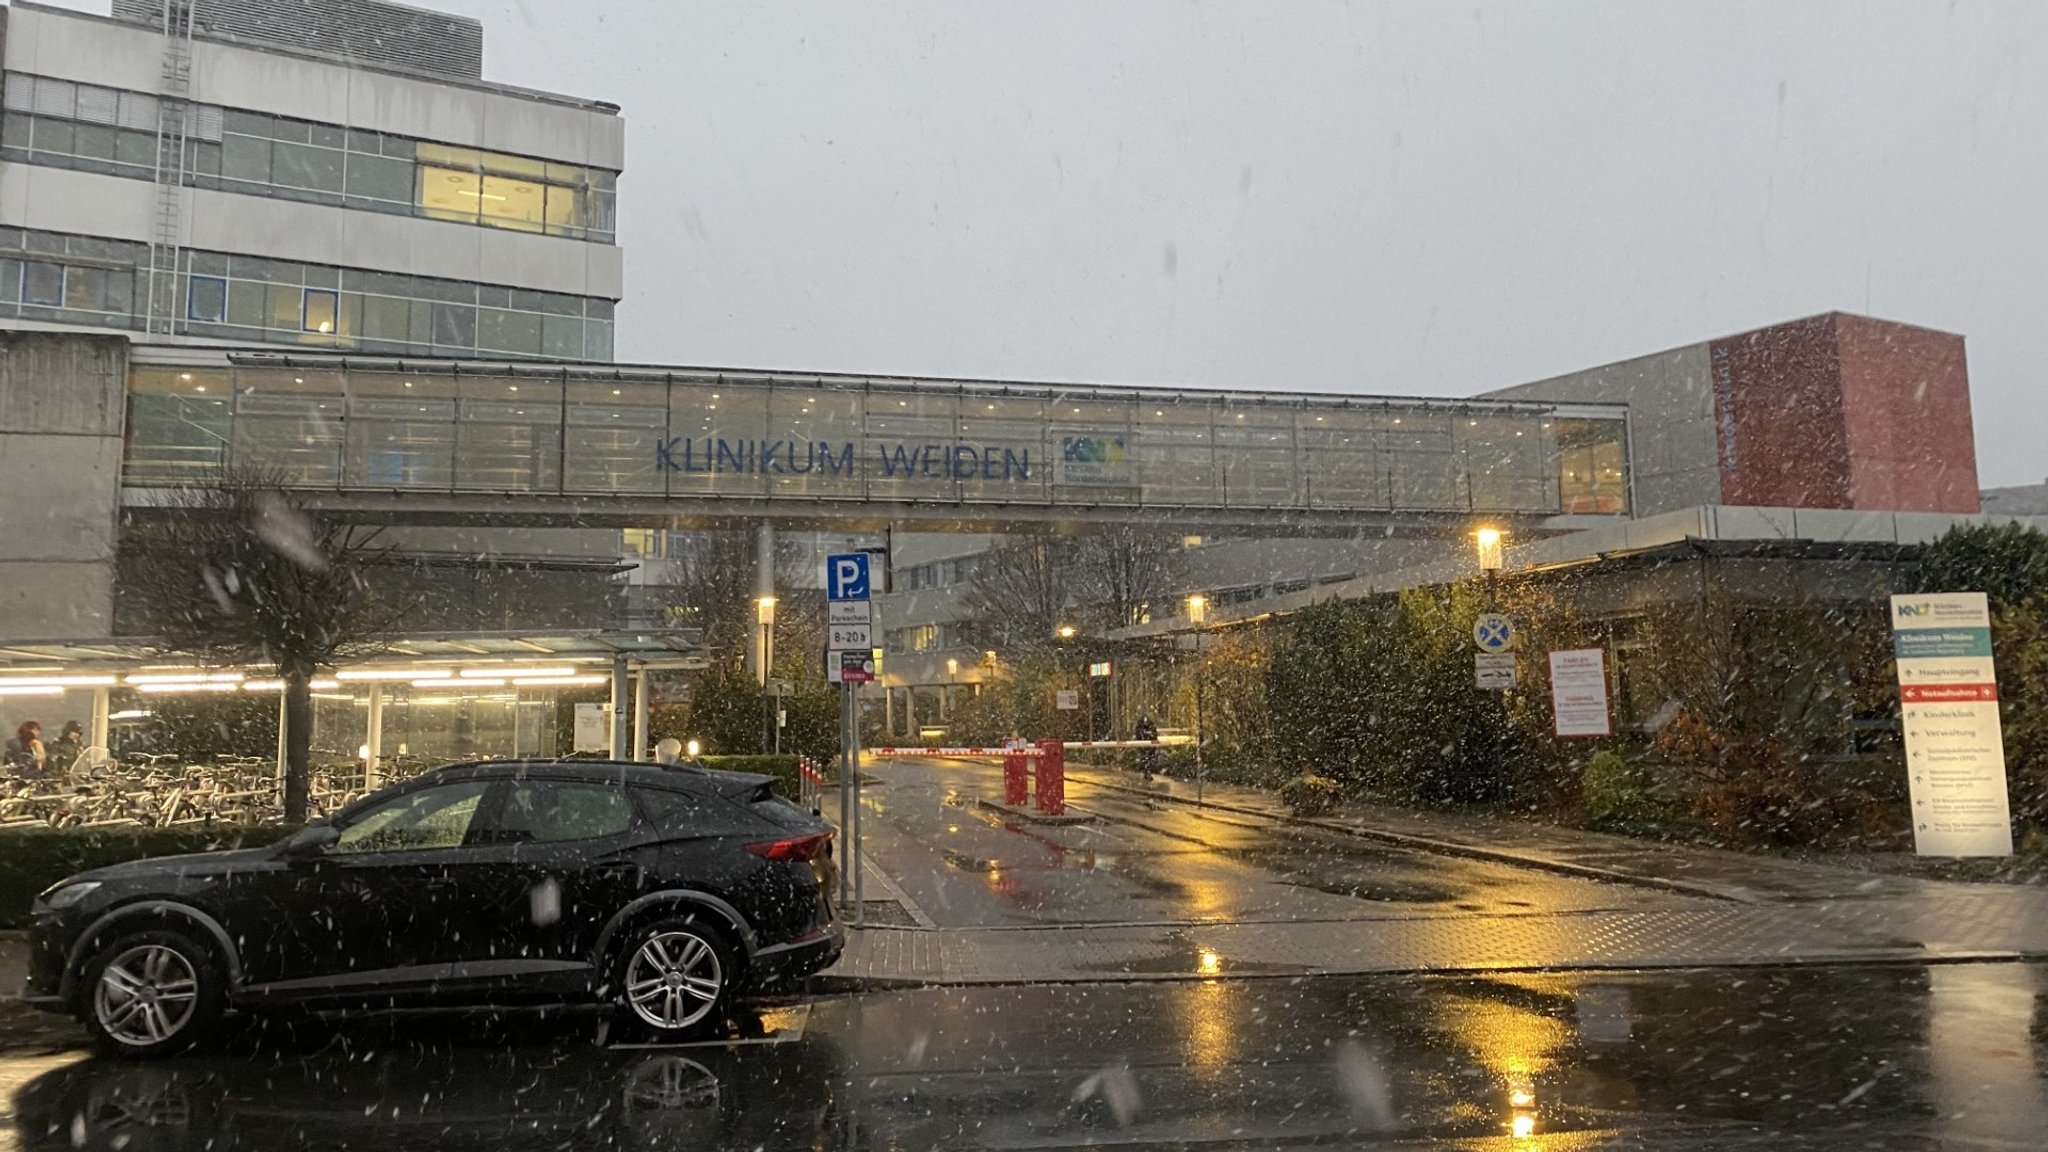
(783, 768)
(32, 859)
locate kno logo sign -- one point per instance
(1092, 450)
(1943, 610)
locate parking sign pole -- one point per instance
(845, 806)
(849, 644)
(853, 764)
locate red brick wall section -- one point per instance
(1778, 406)
(1906, 405)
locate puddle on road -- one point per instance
(1182, 955)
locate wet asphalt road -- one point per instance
(1905, 1058)
(967, 866)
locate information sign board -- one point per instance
(1948, 703)
(1578, 692)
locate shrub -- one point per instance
(1309, 795)
(783, 768)
(1615, 791)
(32, 859)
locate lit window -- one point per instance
(206, 299)
(446, 194)
(514, 203)
(320, 310)
(563, 213)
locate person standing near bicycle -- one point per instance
(63, 755)
(25, 750)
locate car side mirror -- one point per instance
(309, 842)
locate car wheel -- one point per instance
(152, 994)
(676, 978)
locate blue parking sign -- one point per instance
(846, 576)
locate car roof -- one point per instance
(674, 776)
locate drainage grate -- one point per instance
(885, 914)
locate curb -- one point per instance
(1449, 848)
(1033, 816)
(1883, 958)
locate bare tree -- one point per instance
(238, 570)
(1023, 590)
(712, 576)
(1120, 572)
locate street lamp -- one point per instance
(1491, 554)
(764, 615)
(1067, 631)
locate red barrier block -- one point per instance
(1052, 778)
(1016, 787)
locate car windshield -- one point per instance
(1155, 574)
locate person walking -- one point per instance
(25, 749)
(1147, 757)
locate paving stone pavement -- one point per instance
(1766, 912)
(1679, 867)
(1996, 926)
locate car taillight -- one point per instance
(795, 848)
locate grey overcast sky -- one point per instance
(1415, 197)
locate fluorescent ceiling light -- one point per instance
(556, 681)
(31, 690)
(501, 672)
(60, 681)
(146, 678)
(393, 674)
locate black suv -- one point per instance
(664, 890)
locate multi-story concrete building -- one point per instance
(332, 177)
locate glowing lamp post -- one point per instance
(1487, 542)
(764, 617)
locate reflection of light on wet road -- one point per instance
(1211, 1038)
(1513, 1041)
(1981, 1053)
(1209, 963)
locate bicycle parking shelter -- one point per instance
(403, 705)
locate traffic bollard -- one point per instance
(1015, 785)
(1052, 778)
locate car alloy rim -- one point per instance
(146, 995)
(674, 979)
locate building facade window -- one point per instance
(68, 279)
(206, 299)
(320, 310)
(88, 280)
(64, 124)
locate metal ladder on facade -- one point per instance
(174, 113)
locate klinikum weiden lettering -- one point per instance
(717, 455)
